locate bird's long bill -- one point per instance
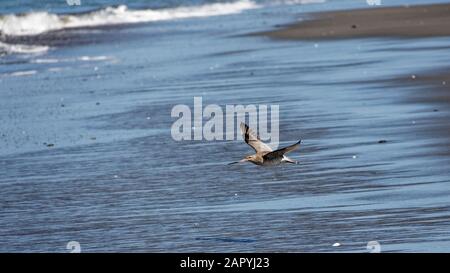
(237, 162)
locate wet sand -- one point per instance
(404, 21)
(426, 86)
(374, 164)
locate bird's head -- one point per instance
(250, 158)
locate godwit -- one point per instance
(264, 156)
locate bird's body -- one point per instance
(264, 155)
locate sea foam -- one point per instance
(36, 23)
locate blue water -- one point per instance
(62, 6)
(114, 180)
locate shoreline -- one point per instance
(407, 22)
(432, 20)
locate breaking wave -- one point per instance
(35, 23)
(15, 27)
(21, 49)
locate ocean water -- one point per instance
(86, 152)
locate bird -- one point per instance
(264, 155)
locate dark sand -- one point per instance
(406, 21)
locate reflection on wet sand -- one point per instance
(373, 166)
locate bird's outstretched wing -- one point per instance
(280, 152)
(253, 140)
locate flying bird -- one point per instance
(264, 156)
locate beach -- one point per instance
(408, 21)
(399, 22)
(87, 155)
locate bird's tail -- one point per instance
(289, 160)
